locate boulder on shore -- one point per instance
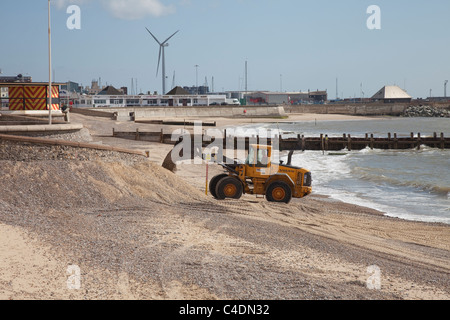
(426, 111)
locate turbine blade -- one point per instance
(153, 36)
(170, 37)
(159, 60)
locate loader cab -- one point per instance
(259, 156)
(258, 162)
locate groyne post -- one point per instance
(322, 143)
(395, 141)
(419, 141)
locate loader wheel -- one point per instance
(213, 184)
(279, 192)
(229, 187)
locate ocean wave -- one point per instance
(380, 176)
(323, 167)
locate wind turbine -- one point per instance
(162, 45)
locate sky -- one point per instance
(289, 45)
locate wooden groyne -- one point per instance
(392, 141)
(300, 142)
(175, 123)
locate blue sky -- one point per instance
(289, 45)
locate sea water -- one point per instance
(410, 184)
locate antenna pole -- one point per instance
(246, 76)
(196, 76)
(173, 80)
(445, 88)
(337, 94)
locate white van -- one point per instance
(233, 102)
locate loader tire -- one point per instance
(213, 184)
(279, 192)
(229, 187)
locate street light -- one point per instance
(49, 67)
(196, 77)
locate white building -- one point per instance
(392, 94)
(95, 101)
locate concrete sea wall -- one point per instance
(131, 113)
(353, 109)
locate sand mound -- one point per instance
(63, 184)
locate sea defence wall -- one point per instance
(353, 109)
(134, 113)
(268, 111)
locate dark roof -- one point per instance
(110, 91)
(178, 91)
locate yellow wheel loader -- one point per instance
(259, 176)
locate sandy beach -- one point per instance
(137, 231)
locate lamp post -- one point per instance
(445, 88)
(49, 67)
(196, 77)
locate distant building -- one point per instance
(177, 97)
(71, 87)
(201, 90)
(392, 94)
(124, 90)
(94, 89)
(438, 99)
(268, 97)
(318, 96)
(18, 78)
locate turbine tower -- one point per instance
(162, 45)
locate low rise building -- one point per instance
(392, 94)
(177, 97)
